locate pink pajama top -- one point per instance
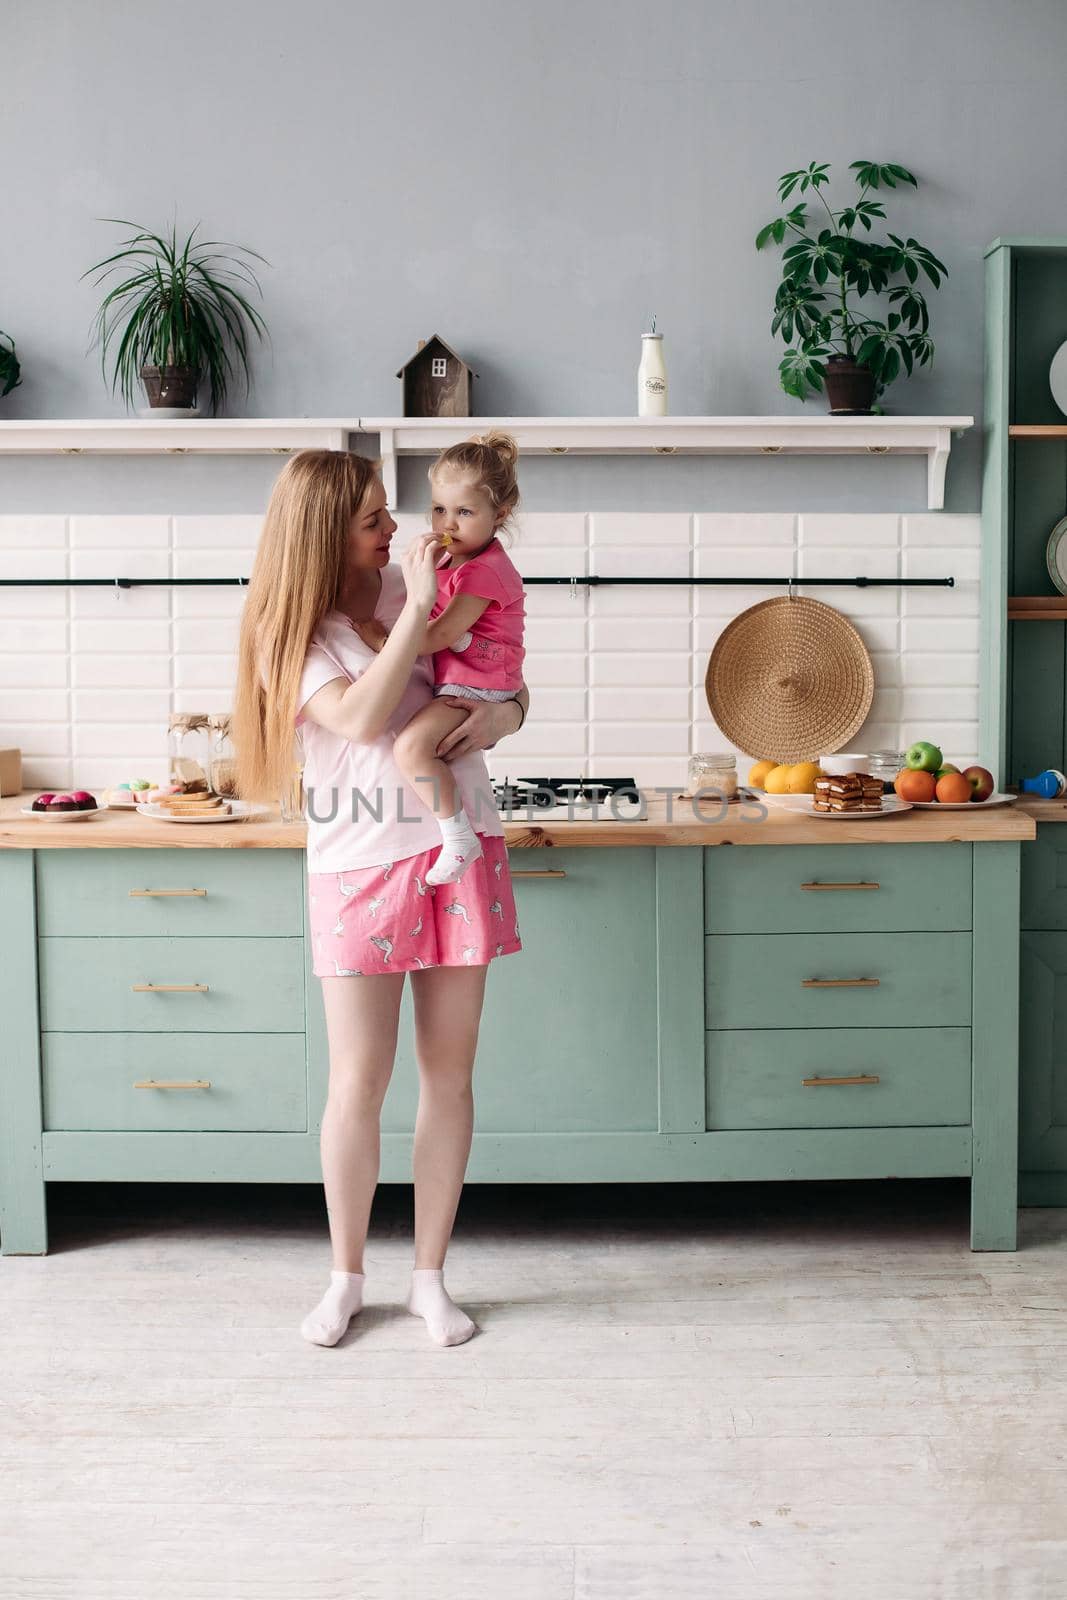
(494, 657)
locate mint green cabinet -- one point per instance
(569, 1033)
(659, 1023)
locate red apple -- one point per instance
(981, 782)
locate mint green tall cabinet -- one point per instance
(1024, 659)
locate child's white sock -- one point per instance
(460, 846)
(430, 1300)
(342, 1300)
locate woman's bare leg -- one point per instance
(448, 1009)
(362, 1017)
(415, 752)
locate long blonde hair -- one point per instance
(297, 577)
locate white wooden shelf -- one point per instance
(176, 436)
(825, 435)
(423, 436)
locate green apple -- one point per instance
(923, 757)
(948, 767)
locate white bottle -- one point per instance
(652, 377)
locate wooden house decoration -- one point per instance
(437, 383)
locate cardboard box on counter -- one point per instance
(10, 772)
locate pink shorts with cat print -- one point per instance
(388, 919)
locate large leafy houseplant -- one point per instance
(827, 269)
(9, 365)
(180, 312)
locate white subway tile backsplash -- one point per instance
(616, 671)
(656, 668)
(942, 529)
(125, 532)
(111, 671)
(643, 531)
(639, 636)
(32, 533)
(122, 705)
(30, 563)
(215, 532)
(121, 634)
(727, 530)
(555, 529)
(32, 671)
(861, 531)
(640, 705)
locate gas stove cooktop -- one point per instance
(569, 799)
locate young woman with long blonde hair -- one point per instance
(322, 579)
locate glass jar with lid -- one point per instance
(885, 764)
(189, 751)
(223, 769)
(713, 770)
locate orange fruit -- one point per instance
(757, 776)
(953, 789)
(777, 779)
(911, 784)
(802, 776)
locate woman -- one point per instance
(321, 575)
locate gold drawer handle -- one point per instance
(817, 1083)
(140, 894)
(169, 988)
(173, 1083)
(840, 885)
(840, 983)
(546, 872)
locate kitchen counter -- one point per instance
(670, 822)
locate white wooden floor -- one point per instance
(726, 1393)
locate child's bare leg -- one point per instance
(415, 753)
(414, 749)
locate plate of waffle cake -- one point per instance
(855, 795)
(200, 808)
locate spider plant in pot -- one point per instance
(827, 269)
(9, 365)
(179, 313)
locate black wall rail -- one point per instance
(590, 580)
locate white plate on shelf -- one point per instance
(240, 811)
(60, 816)
(1057, 377)
(996, 799)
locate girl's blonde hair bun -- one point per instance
(502, 443)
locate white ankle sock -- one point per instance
(459, 847)
(342, 1301)
(430, 1300)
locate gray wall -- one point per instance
(531, 181)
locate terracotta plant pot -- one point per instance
(174, 387)
(849, 387)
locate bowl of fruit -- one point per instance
(77, 806)
(927, 779)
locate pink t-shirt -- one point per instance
(493, 659)
(378, 817)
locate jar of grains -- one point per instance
(223, 760)
(714, 770)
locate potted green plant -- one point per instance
(9, 365)
(180, 312)
(827, 269)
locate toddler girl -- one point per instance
(475, 630)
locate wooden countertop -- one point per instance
(127, 829)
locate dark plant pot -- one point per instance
(170, 386)
(849, 387)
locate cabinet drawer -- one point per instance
(248, 985)
(246, 1082)
(99, 892)
(755, 1078)
(838, 980)
(837, 888)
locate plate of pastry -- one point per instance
(200, 808)
(74, 806)
(855, 795)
